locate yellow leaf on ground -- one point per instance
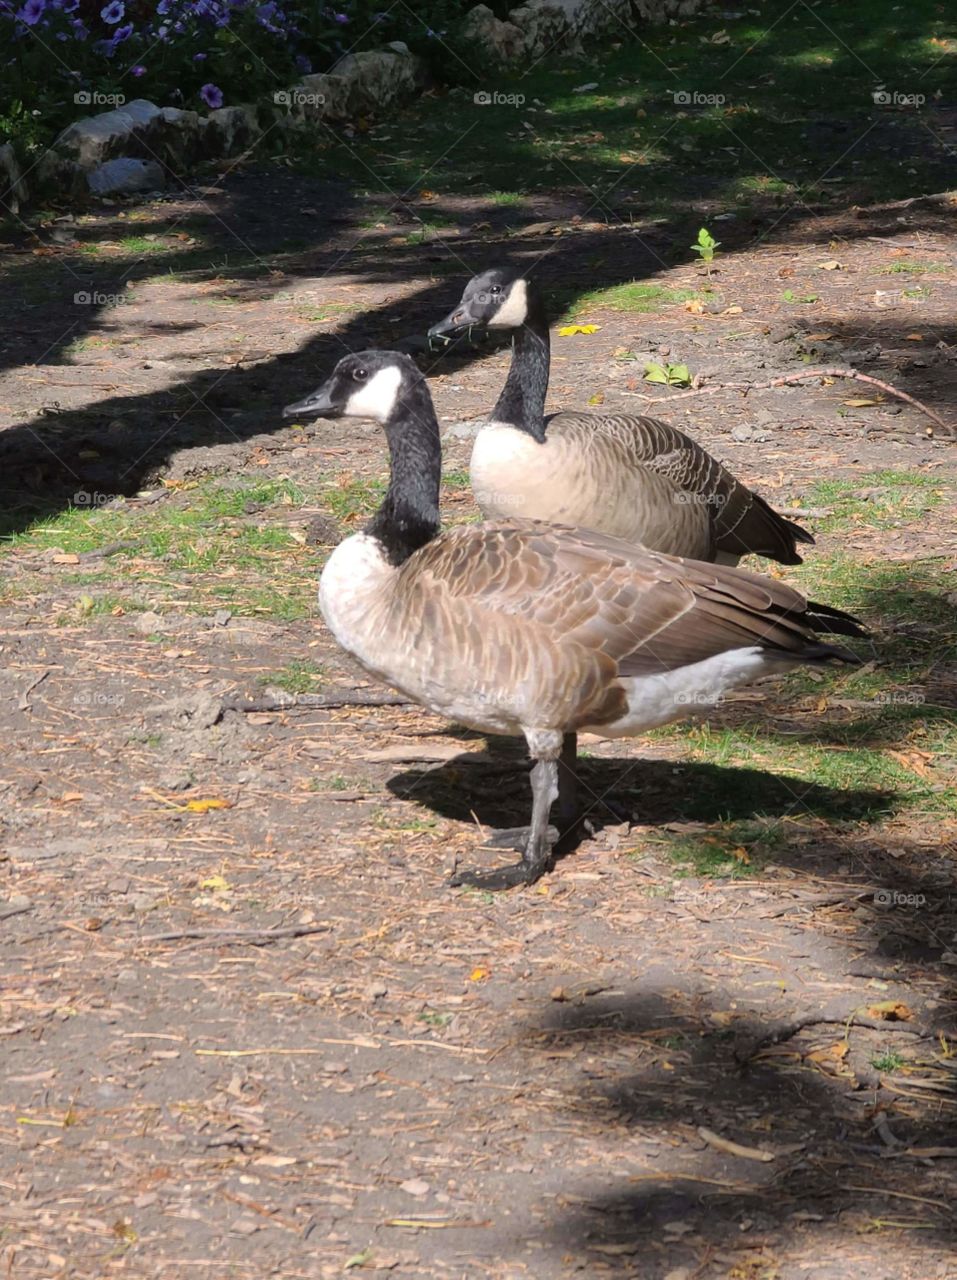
(890, 1011)
(204, 806)
(478, 974)
(832, 264)
(597, 398)
(741, 855)
(863, 404)
(218, 884)
(569, 330)
(695, 306)
(831, 1054)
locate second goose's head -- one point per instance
(369, 384)
(496, 299)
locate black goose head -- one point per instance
(496, 299)
(368, 384)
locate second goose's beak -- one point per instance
(317, 405)
(454, 323)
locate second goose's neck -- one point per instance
(522, 402)
(409, 515)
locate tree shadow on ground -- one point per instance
(660, 1061)
(269, 229)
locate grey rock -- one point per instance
(502, 41)
(463, 430)
(126, 174)
(12, 186)
(95, 139)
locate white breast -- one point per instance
(353, 585)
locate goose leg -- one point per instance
(567, 813)
(538, 846)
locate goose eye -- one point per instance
(495, 289)
(360, 375)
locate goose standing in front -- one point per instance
(520, 627)
(630, 476)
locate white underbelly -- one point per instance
(689, 691)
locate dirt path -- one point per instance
(428, 1082)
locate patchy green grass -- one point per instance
(889, 1060)
(632, 297)
(295, 677)
(878, 499)
(732, 851)
(204, 547)
(905, 267)
(352, 497)
(456, 478)
(730, 111)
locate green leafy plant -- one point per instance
(705, 246)
(790, 296)
(670, 375)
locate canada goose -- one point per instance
(521, 627)
(634, 477)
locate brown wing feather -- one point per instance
(564, 611)
(741, 521)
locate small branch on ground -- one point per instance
(311, 701)
(787, 379)
(254, 937)
(24, 703)
(779, 1034)
(102, 553)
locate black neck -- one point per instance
(522, 402)
(409, 515)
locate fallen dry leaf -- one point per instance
(569, 330)
(204, 806)
(890, 1011)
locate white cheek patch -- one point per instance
(375, 398)
(513, 312)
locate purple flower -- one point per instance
(341, 18)
(200, 57)
(137, 71)
(121, 34)
(32, 12)
(111, 13)
(303, 64)
(212, 95)
(80, 30)
(70, 6)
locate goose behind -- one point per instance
(519, 627)
(631, 476)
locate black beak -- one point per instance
(455, 322)
(316, 405)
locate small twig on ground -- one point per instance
(786, 379)
(24, 703)
(311, 701)
(254, 937)
(7, 913)
(101, 553)
(732, 1148)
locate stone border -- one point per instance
(132, 147)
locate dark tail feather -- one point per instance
(832, 622)
(764, 532)
(786, 534)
